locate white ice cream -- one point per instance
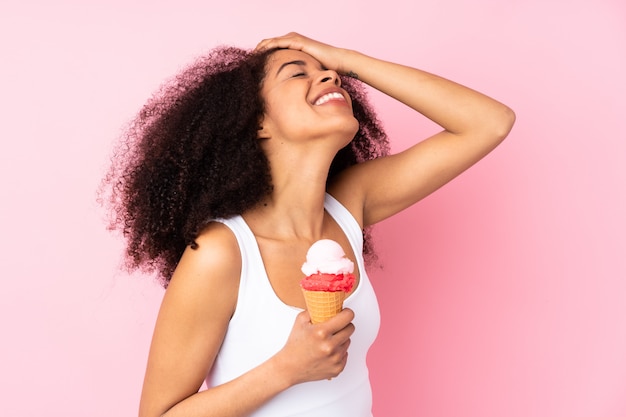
(327, 257)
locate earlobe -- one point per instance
(262, 131)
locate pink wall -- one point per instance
(513, 277)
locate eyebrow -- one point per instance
(297, 62)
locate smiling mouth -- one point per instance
(328, 97)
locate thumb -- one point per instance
(304, 317)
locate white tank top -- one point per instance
(262, 323)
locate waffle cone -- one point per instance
(323, 305)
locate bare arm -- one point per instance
(473, 124)
(191, 326)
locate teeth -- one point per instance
(327, 97)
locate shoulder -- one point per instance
(216, 243)
(210, 272)
(349, 189)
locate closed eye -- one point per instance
(298, 74)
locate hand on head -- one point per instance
(329, 56)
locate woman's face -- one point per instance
(305, 102)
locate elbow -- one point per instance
(503, 123)
(494, 128)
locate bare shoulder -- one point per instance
(348, 188)
(214, 264)
(217, 247)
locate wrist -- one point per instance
(346, 63)
(283, 370)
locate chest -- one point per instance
(282, 262)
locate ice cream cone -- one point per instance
(322, 305)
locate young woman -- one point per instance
(231, 173)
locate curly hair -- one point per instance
(192, 155)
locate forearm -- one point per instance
(456, 108)
(237, 398)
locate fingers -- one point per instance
(334, 350)
(291, 40)
(340, 321)
(337, 331)
(329, 56)
(318, 351)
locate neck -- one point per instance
(295, 208)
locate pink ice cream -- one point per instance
(327, 268)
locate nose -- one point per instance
(330, 76)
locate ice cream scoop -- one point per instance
(327, 257)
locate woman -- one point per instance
(233, 312)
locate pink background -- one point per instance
(504, 294)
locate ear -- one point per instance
(263, 131)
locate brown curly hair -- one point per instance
(192, 155)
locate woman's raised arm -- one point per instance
(473, 124)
